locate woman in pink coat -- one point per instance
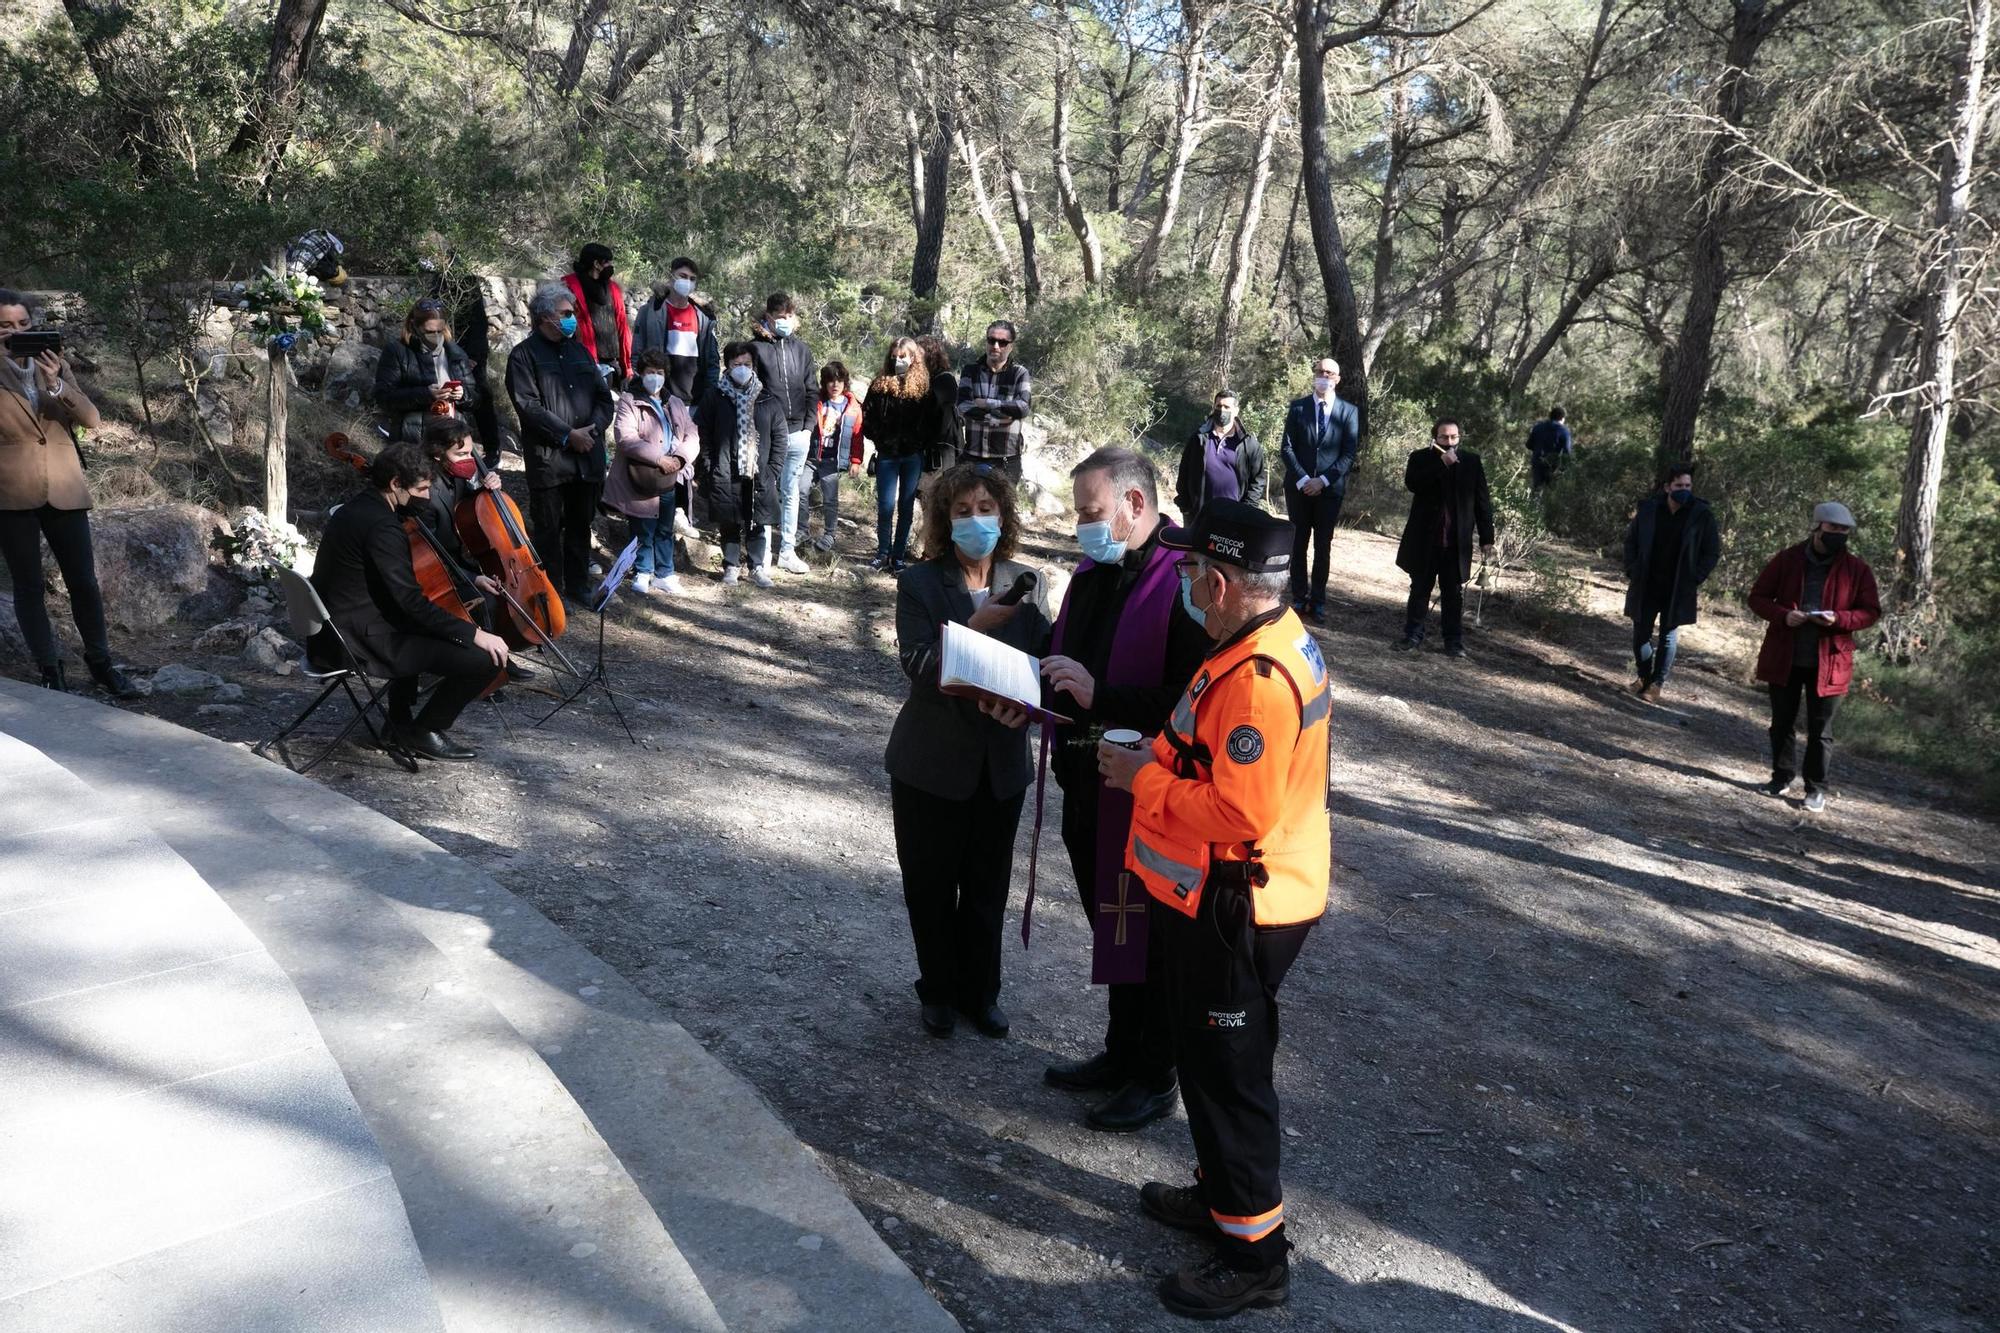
(654, 447)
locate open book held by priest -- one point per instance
(981, 667)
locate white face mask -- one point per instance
(683, 286)
(902, 364)
(654, 382)
(741, 374)
(1322, 385)
(433, 340)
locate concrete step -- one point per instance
(178, 1149)
(771, 1238)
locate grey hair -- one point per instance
(1271, 587)
(543, 302)
(1129, 470)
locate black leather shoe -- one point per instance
(1407, 644)
(937, 1019)
(1098, 1072)
(1178, 1207)
(434, 745)
(1133, 1106)
(1454, 650)
(1216, 1289)
(52, 677)
(111, 679)
(990, 1020)
(520, 670)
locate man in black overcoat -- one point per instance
(1449, 499)
(1670, 550)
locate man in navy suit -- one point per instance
(1322, 432)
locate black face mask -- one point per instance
(1833, 543)
(1683, 498)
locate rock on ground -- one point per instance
(151, 562)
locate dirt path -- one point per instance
(1595, 1037)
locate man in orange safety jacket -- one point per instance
(1230, 836)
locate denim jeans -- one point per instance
(896, 492)
(656, 540)
(1655, 663)
(791, 471)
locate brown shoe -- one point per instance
(1639, 688)
(1651, 694)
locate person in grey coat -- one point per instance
(959, 769)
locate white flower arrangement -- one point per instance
(284, 304)
(256, 547)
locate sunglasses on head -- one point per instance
(429, 307)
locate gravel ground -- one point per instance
(1594, 1037)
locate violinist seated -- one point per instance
(449, 441)
(365, 576)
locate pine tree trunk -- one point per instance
(1066, 195)
(1342, 317)
(1024, 225)
(1944, 275)
(1242, 254)
(930, 230)
(1187, 139)
(982, 203)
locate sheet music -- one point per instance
(969, 660)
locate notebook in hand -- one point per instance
(975, 664)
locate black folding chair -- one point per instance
(309, 617)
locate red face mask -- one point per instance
(462, 468)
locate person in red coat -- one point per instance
(602, 325)
(1815, 597)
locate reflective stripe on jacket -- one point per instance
(1239, 786)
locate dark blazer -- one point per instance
(1252, 469)
(1435, 487)
(555, 388)
(1701, 547)
(363, 575)
(1311, 452)
(940, 741)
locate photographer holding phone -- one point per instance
(44, 497)
(422, 374)
(1815, 596)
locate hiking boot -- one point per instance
(1651, 694)
(1815, 800)
(1177, 1206)
(1217, 1289)
(1640, 686)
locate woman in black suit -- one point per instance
(958, 777)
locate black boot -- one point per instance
(1178, 1206)
(52, 677)
(110, 679)
(1217, 1289)
(1099, 1071)
(1133, 1106)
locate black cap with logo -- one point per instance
(1231, 532)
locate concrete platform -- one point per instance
(175, 1137)
(568, 1156)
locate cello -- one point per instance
(433, 572)
(490, 525)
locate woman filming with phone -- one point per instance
(44, 497)
(423, 374)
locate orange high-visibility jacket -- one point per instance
(1241, 777)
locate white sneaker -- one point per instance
(761, 576)
(1815, 801)
(668, 585)
(642, 583)
(791, 564)
(731, 576)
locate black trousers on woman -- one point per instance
(957, 859)
(67, 532)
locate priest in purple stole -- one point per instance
(1121, 653)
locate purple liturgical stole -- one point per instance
(1138, 658)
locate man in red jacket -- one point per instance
(1815, 596)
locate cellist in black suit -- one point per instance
(364, 576)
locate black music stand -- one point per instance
(600, 600)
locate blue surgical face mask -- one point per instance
(976, 535)
(654, 382)
(1098, 543)
(1195, 613)
(784, 327)
(568, 325)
